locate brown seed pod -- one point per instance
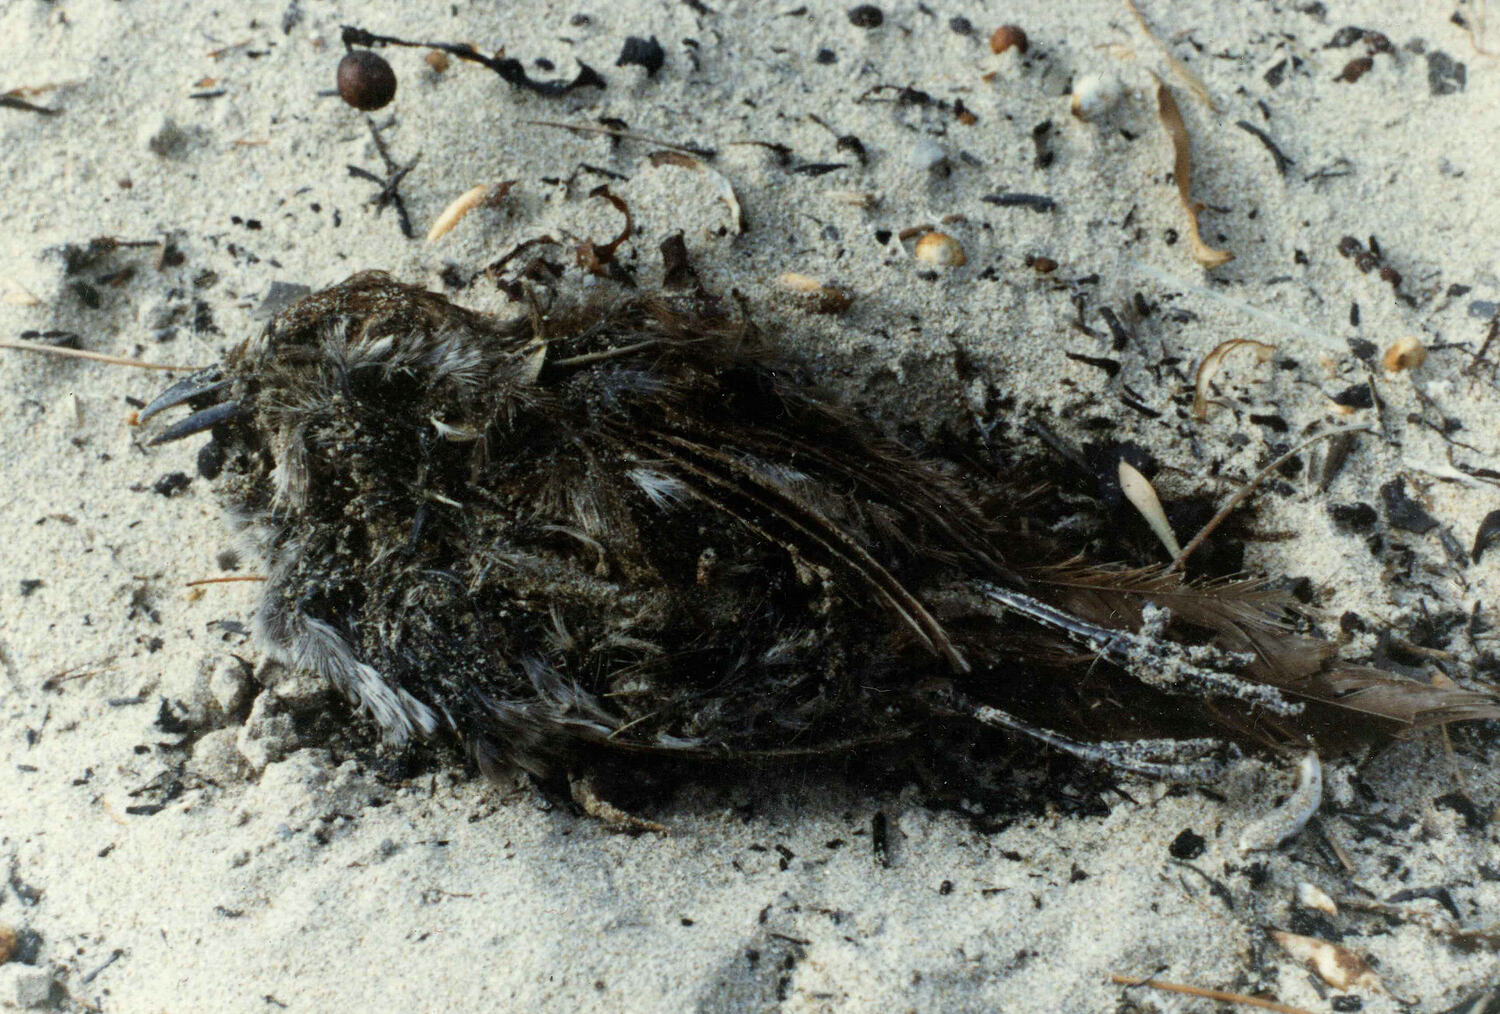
(365, 80)
(1009, 37)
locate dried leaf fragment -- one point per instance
(593, 257)
(1182, 170)
(1338, 966)
(1214, 361)
(1142, 496)
(13, 293)
(820, 298)
(684, 160)
(480, 196)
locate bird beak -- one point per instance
(203, 384)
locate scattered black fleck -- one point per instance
(1111, 367)
(1277, 155)
(210, 460)
(960, 25)
(1489, 530)
(1355, 69)
(1346, 1004)
(826, 56)
(1402, 511)
(1474, 818)
(1445, 76)
(677, 271)
(945, 888)
(1119, 335)
(1346, 37)
(1276, 74)
(866, 16)
(852, 144)
(86, 293)
(1041, 139)
(173, 718)
(1353, 517)
(644, 53)
(1187, 845)
(171, 484)
(57, 339)
(1040, 203)
(31, 584)
(817, 168)
(1355, 396)
(1353, 314)
(882, 236)
(1272, 421)
(1362, 349)
(880, 838)
(1441, 895)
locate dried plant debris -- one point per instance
(1182, 171)
(818, 297)
(1336, 965)
(684, 160)
(1487, 533)
(1214, 361)
(484, 195)
(1179, 69)
(1278, 156)
(1287, 821)
(11, 100)
(595, 538)
(511, 70)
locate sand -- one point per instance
(169, 846)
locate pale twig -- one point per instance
(1209, 994)
(98, 357)
(1249, 487)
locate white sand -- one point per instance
(312, 887)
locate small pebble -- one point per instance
(1009, 37)
(866, 16)
(437, 60)
(940, 250)
(365, 80)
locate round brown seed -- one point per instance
(366, 80)
(1009, 37)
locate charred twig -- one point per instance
(511, 70)
(389, 193)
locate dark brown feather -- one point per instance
(631, 531)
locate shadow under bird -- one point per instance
(628, 532)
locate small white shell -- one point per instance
(1096, 94)
(1405, 354)
(940, 250)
